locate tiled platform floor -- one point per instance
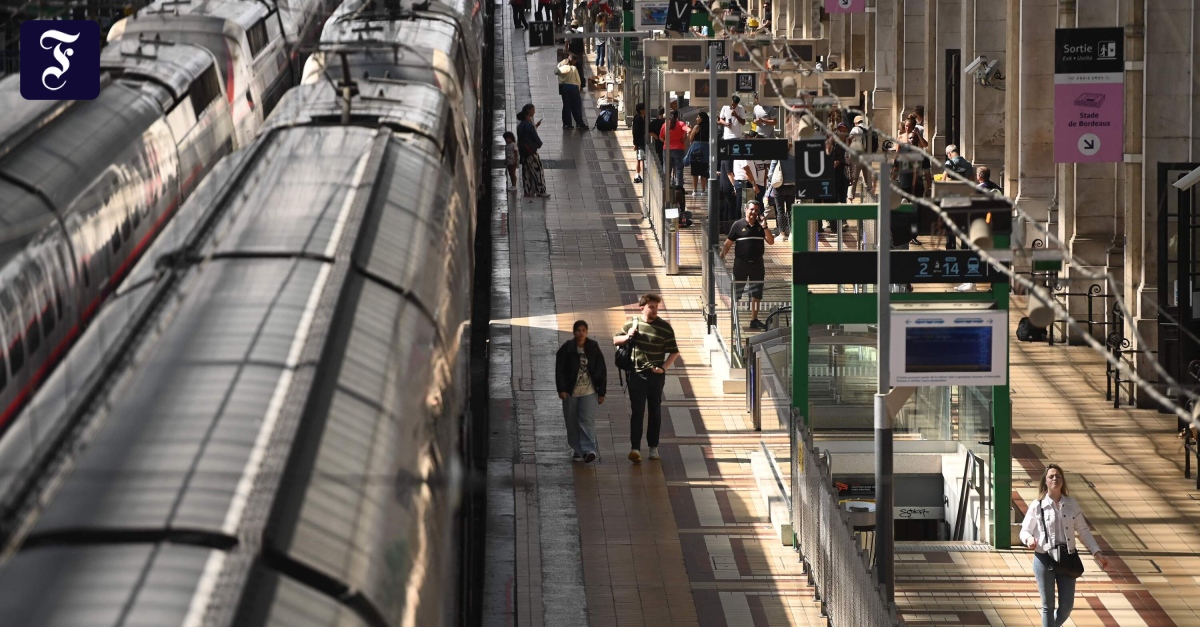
(684, 541)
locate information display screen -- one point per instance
(939, 344)
(948, 349)
(687, 53)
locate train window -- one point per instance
(116, 241)
(126, 228)
(29, 316)
(58, 303)
(258, 37)
(205, 90)
(450, 148)
(3, 370)
(41, 283)
(12, 322)
(87, 274)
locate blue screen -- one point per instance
(948, 349)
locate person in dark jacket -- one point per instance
(639, 138)
(581, 378)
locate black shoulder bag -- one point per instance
(1065, 562)
(623, 359)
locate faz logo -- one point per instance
(60, 60)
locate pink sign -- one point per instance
(1088, 120)
(845, 6)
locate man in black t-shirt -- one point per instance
(749, 237)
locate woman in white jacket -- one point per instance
(1063, 519)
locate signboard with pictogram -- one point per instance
(1089, 95)
(845, 6)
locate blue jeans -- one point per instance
(579, 412)
(600, 53)
(677, 166)
(572, 105)
(1046, 581)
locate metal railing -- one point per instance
(838, 568)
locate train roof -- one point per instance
(400, 21)
(399, 104)
(248, 413)
(180, 14)
(174, 66)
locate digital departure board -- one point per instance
(935, 344)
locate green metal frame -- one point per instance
(809, 309)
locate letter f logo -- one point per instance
(60, 60)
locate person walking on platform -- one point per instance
(518, 11)
(1049, 528)
(678, 145)
(581, 377)
(750, 236)
(783, 171)
(698, 154)
(654, 350)
(569, 88)
(528, 143)
(639, 138)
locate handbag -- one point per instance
(687, 157)
(1065, 562)
(776, 175)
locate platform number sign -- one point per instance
(541, 34)
(814, 170)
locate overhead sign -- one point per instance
(940, 266)
(908, 266)
(814, 170)
(679, 15)
(757, 149)
(845, 6)
(952, 347)
(650, 14)
(747, 81)
(541, 34)
(1089, 95)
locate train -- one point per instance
(87, 185)
(267, 424)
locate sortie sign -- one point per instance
(845, 6)
(1089, 95)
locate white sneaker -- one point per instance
(635, 456)
(965, 287)
(576, 457)
(654, 453)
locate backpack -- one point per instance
(607, 120)
(623, 359)
(1026, 332)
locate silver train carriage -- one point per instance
(85, 186)
(452, 30)
(260, 46)
(269, 432)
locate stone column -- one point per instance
(883, 99)
(1097, 228)
(1133, 18)
(985, 124)
(1009, 176)
(1035, 166)
(1171, 122)
(931, 66)
(966, 91)
(910, 87)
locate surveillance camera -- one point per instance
(1188, 181)
(991, 72)
(976, 64)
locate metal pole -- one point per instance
(649, 147)
(714, 187)
(884, 539)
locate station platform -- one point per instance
(686, 541)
